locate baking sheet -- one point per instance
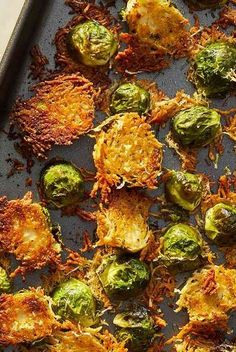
(37, 25)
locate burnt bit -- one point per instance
(16, 167)
(38, 63)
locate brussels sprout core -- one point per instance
(123, 278)
(182, 244)
(5, 283)
(129, 97)
(196, 127)
(220, 223)
(62, 184)
(73, 300)
(215, 67)
(136, 329)
(93, 43)
(184, 189)
(207, 4)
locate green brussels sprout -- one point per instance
(184, 189)
(123, 277)
(196, 127)
(62, 184)
(5, 284)
(92, 43)
(129, 97)
(214, 68)
(206, 4)
(74, 300)
(182, 247)
(220, 223)
(137, 329)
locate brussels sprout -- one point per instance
(129, 97)
(137, 329)
(62, 184)
(214, 68)
(184, 189)
(123, 277)
(92, 43)
(182, 246)
(220, 223)
(207, 4)
(5, 283)
(74, 300)
(196, 127)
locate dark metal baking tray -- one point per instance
(37, 24)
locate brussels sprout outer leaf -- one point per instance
(5, 284)
(213, 67)
(129, 97)
(182, 247)
(73, 300)
(62, 184)
(137, 329)
(220, 223)
(123, 278)
(184, 189)
(93, 43)
(196, 127)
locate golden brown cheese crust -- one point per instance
(126, 153)
(25, 232)
(61, 110)
(214, 294)
(157, 22)
(25, 317)
(74, 342)
(124, 222)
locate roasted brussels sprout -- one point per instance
(182, 247)
(129, 97)
(62, 184)
(184, 189)
(5, 283)
(214, 68)
(137, 329)
(92, 43)
(196, 127)
(206, 4)
(123, 277)
(220, 223)
(74, 300)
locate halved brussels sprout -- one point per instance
(182, 247)
(206, 4)
(214, 68)
(220, 223)
(5, 284)
(123, 277)
(196, 127)
(137, 329)
(130, 97)
(92, 43)
(62, 184)
(184, 189)
(74, 300)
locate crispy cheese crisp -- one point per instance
(71, 341)
(25, 317)
(61, 110)
(126, 153)
(25, 231)
(124, 222)
(214, 294)
(157, 22)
